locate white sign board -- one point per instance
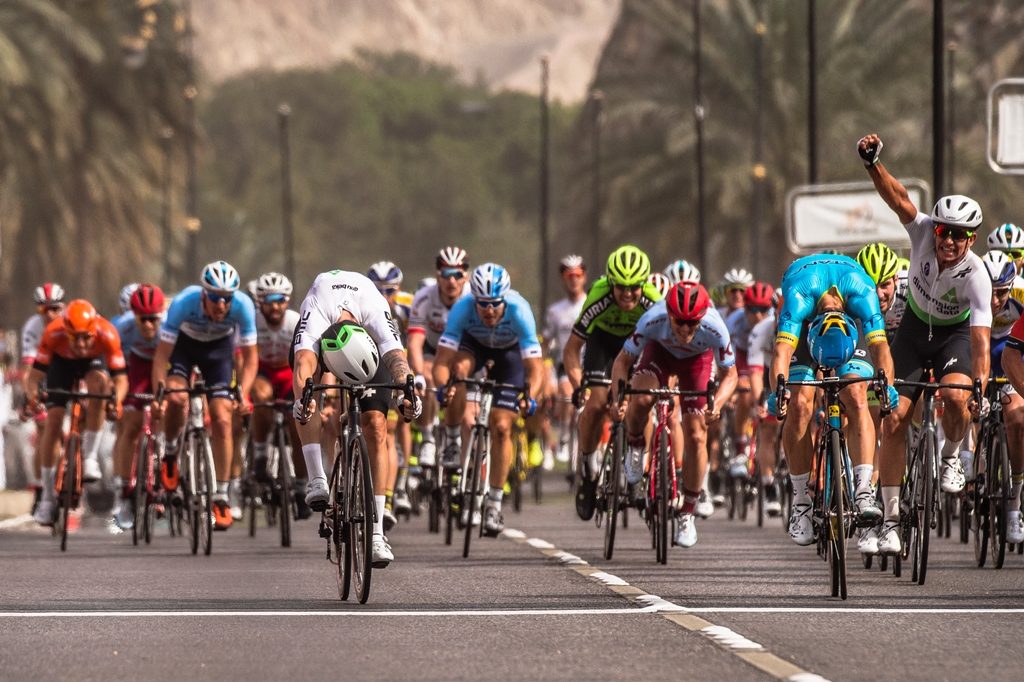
(1005, 144)
(846, 216)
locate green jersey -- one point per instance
(601, 312)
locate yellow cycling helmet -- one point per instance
(879, 261)
(628, 266)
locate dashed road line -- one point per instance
(16, 522)
(324, 613)
(748, 651)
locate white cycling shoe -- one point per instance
(382, 554)
(46, 512)
(889, 538)
(686, 531)
(1014, 527)
(772, 508)
(428, 453)
(634, 463)
(317, 494)
(953, 479)
(738, 467)
(705, 508)
(494, 524)
(91, 470)
(801, 530)
(867, 505)
(867, 543)
(124, 517)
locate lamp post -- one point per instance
(698, 115)
(166, 137)
(758, 174)
(597, 114)
(812, 95)
(192, 222)
(283, 113)
(545, 263)
(938, 100)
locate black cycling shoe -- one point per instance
(259, 469)
(302, 510)
(586, 499)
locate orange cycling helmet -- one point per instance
(80, 318)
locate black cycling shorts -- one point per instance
(215, 359)
(599, 354)
(948, 351)
(65, 373)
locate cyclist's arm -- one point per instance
(397, 364)
(415, 344)
(247, 372)
(981, 338)
(881, 358)
(571, 359)
(534, 375)
(893, 193)
(304, 367)
(726, 387)
(780, 362)
(442, 372)
(1013, 364)
(33, 381)
(620, 372)
(120, 387)
(161, 360)
(756, 383)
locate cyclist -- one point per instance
(759, 352)
(387, 277)
(757, 302)
(610, 312)
(949, 326)
(660, 281)
(1009, 239)
(1012, 363)
(812, 287)
(49, 300)
(124, 301)
(80, 345)
(682, 271)
(337, 308)
(200, 330)
(139, 340)
(558, 322)
(275, 329)
(430, 309)
(734, 285)
(681, 336)
(495, 324)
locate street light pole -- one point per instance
(938, 100)
(596, 108)
(192, 222)
(166, 137)
(951, 47)
(812, 94)
(698, 114)
(545, 264)
(283, 112)
(759, 170)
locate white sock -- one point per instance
(891, 499)
(453, 432)
(378, 525)
(260, 449)
(494, 496)
(222, 491)
(800, 493)
(428, 435)
(314, 461)
(1016, 483)
(90, 444)
(49, 475)
(951, 449)
(862, 476)
(707, 477)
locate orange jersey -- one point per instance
(106, 344)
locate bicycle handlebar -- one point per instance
(76, 395)
(408, 389)
(878, 384)
(664, 392)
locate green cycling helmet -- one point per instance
(903, 265)
(628, 266)
(880, 262)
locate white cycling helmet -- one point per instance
(219, 277)
(273, 283)
(49, 293)
(349, 353)
(682, 271)
(738, 277)
(957, 210)
(1005, 237)
(124, 299)
(1000, 268)
(661, 282)
(451, 257)
(571, 262)
(426, 282)
(490, 281)
(385, 273)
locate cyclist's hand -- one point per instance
(617, 410)
(33, 407)
(762, 411)
(894, 397)
(870, 149)
(528, 406)
(774, 408)
(114, 410)
(420, 384)
(980, 410)
(303, 414)
(244, 406)
(577, 397)
(411, 410)
(712, 416)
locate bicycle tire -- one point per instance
(927, 508)
(516, 474)
(339, 531)
(473, 490)
(191, 501)
(760, 494)
(448, 500)
(140, 481)
(71, 479)
(979, 498)
(207, 479)
(286, 494)
(662, 494)
(999, 488)
(434, 510)
(360, 518)
(837, 524)
(613, 495)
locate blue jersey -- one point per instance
(811, 277)
(655, 327)
(186, 316)
(516, 327)
(131, 339)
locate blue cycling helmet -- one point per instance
(832, 338)
(490, 281)
(385, 274)
(1001, 269)
(219, 277)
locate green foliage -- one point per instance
(392, 157)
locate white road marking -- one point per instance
(16, 522)
(537, 543)
(608, 578)
(806, 677)
(728, 638)
(325, 614)
(846, 610)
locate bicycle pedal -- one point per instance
(325, 531)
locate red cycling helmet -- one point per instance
(758, 295)
(148, 299)
(687, 301)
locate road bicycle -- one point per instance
(347, 523)
(145, 477)
(611, 496)
(990, 489)
(277, 492)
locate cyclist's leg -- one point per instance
(1013, 413)
(598, 356)
(260, 424)
(375, 433)
(462, 364)
(952, 362)
(428, 417)
(860, 433)
(96, 381)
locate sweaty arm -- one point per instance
(571, 359)
(415, 344)
(620, 372)
(892, 191)
(397, 364)
(981, 356)
(442, 371)
(534, 374)
(161, 359)
(247, 372)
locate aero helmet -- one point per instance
(832, 338)
(347, 350)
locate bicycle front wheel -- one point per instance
(836, 521)
(360, 518)
(285, 486)
(999, 498)
(141, 485)
(475, 488)
(662, 493)
(207, 485)
(612, 492)
(925, 500)
(979, 497)
(69, 485)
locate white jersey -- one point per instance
(761, 343)
(274, 344)
(339, 290)
(558, 322)
(31, 335)
(957, 294)
(898, 306)
(429, 314)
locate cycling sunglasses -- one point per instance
(956, 234)
(387, 291)
(453, 273)
(628, 287)
(490, 303)
(52, 308)
(275, 298)
(1015, 254)
(757, 309)
(219, 298)
(155, 319)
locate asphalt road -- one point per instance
(536, 604)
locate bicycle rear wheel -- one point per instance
(979, 497)
(662, 493)
(141, 484)
(285, 485)
(338, 539)
(207, 485)
(836, 520)
(69, 485)
(474, 489)
(360, 518)
(999, 497)
(611, 487)
(927, 485)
